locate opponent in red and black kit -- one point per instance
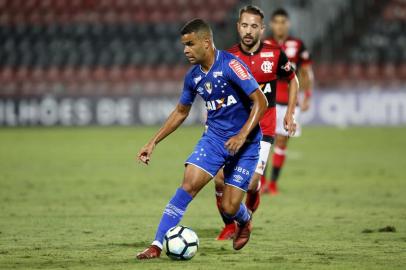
(300, 59)
(268, 64)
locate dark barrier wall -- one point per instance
(333, 107)
(82, 111)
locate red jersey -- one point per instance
(298, 55)
(268, 64)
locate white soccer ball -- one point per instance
(181, 243)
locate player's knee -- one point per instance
(218, 183)
(253, 186)
(281, 141)
(189, 188)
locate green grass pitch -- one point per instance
(74, 198)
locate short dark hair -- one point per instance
(196, 26)
(252, 10)
(279, 12)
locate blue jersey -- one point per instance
(225, 88)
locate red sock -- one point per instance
(277, 161)
(252, 201)
(219, 197)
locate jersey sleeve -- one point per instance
(304, 56)
(285, 69)
(188, 94)
(240, 76)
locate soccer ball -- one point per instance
(181, 243)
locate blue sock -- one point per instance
(242, 216)
(172, 215)
(227, 219)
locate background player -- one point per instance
(300, 59)
(234, 107)
(268, 63)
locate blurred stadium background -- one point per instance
(120, 62)
(75, 198)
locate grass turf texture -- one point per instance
(75, 198)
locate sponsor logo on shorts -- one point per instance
(237, 178)
(241, 170)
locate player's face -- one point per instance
(250, 28)
(280, 26)
(195, 47)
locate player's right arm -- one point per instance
(175, 119)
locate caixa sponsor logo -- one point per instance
(266, 87)
(216, 104)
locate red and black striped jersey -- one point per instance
(298, 55)
(267, 64)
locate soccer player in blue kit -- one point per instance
(231, 140)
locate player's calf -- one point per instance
(228, 230)
(279, 157)
(277, 164)
(253, 197)
(193, 182)
(243, 229)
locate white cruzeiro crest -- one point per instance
(197, 79)
(208, 87)
(267, 66)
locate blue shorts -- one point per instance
(210, 155)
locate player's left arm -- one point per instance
(289, 120)
(258, 109)
(306, 79)
(175, 119)
(286, 71)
